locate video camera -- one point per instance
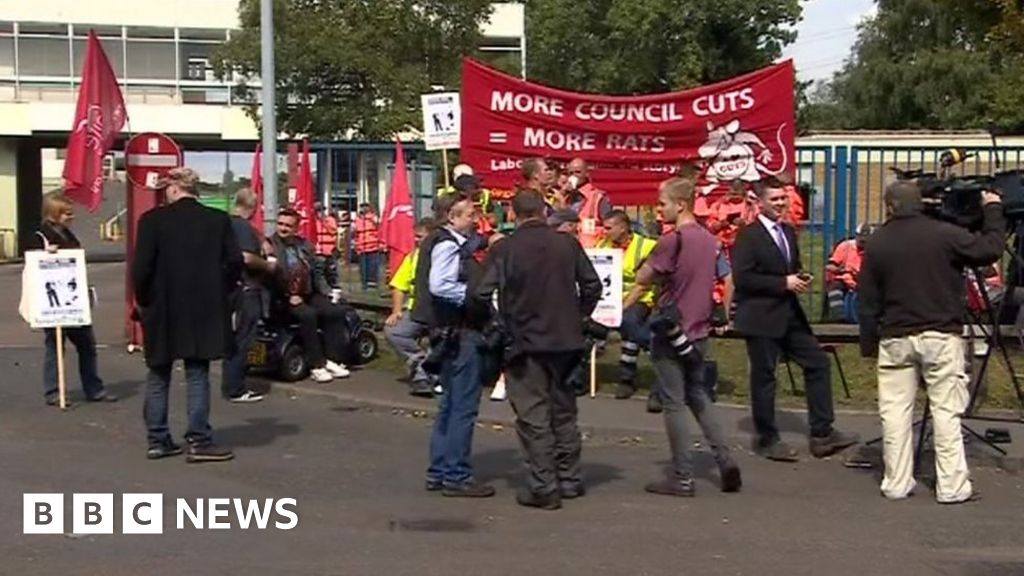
(957, 198)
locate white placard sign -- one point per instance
(57, 289)
(442, 120)
(608, 264)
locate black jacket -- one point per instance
(434, 312)
(318, 281)
(60, 236)
(912, 279)
(538, 300)
(763, 305)
(186, 264)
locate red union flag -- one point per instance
(99, 117)
(739, 129)
(397, 225)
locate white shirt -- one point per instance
(774, 227)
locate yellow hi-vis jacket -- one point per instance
(405, 277)
(640, 247)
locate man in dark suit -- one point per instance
(769, 277)
(546, 288)
(187, 263)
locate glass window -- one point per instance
(508, 61)
(6, 56)
(207, 34)
(44, 57)
(195, 61)
(151, 60)
(112, 47)
(149, 32)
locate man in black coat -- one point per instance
(536, 272)
(187, 263)
(769, 277)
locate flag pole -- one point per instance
(268, 117)
(444, 157)
(61, 382)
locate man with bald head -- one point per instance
(589, 202)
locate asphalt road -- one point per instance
(357, 472)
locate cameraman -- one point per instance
(911, 312)
(444, 268)
(536, 272)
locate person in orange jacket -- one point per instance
(841, 274)
(730, 213)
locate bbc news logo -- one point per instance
(144, 514)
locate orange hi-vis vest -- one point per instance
(367, 234)
(591, 228)
(849, 259)
(728, 216)
(796, 212)
(326, 235)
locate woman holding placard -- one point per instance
(54, 234)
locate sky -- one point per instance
(825, 36)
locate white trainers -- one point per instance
(320, 375)
(499, 394)
(337, 370)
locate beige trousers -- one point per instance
(939, 359)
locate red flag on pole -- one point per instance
(256, 182)
(304, 196)
(99, 117)
(398, 221)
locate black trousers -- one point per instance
(319, 312)
(800, 346)
(247, 317)
(546, 418)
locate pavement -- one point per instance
(352, 454)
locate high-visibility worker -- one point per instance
(400, 330)
(589, 202)
(326, 232)
(729, 213)
(633, 330)
(841, 272)
(471, 186)
(368, 245)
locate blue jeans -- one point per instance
(85, 345)
(452, 439)
(636, 335)
(369, 268)
(197, 378)
(850, 308)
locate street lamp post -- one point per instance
(269, 119)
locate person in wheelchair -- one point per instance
(304, 294)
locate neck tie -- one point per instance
(780, 240)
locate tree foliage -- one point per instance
(353, 69)
(929, 64)
(649, 46)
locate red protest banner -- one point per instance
(741, 128)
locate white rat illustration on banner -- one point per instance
(735, 154)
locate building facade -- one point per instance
(161, 53)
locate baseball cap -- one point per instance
(563, 216)
(466, 183)
(462, 170)
(184, 178)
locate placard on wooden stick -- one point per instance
(56, 295)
